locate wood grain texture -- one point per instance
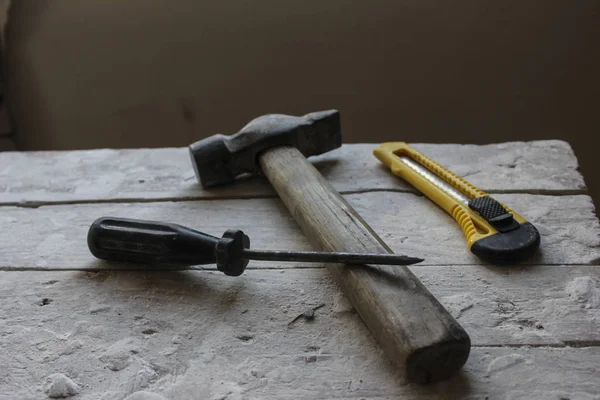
(414, 329)
(190, 335)
(54, 237)
(154, 174)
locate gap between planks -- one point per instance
(573, 344)
(133, 200)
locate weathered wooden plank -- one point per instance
(533, 305)
(550, 305)
(146, 174)
(54, 237)
(192, 335)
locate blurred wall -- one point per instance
(144, 73)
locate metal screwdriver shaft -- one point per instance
(329, 257)
(149, 242)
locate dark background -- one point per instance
(146, 73)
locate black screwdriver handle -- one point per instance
(149, 242)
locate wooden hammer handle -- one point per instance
(412, 327)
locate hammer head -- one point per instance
(220, 159)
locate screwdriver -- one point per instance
(150, 242)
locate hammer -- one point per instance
(412, 327)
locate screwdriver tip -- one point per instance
(413, 260)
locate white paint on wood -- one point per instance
(500, 305)
(189, 335)
(54, 237)
(146, 174)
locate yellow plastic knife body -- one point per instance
(493, 230)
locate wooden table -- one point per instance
(201, 335)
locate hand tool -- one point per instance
(493, 230)
(412, 327)
(150, 242)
